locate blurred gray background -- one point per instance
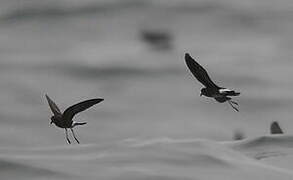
(79, 49)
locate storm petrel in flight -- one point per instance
(211, 89)
(64, 120)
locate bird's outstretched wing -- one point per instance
(70, 112)
(54, 108)
(199, 72)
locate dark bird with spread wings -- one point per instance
(64, 120)
(211, 89)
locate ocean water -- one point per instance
(159, 158)
(75, 50)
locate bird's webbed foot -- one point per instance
(232, 104)
(68, 141)
(74, 136)
(66, 133)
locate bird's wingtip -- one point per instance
(187, 55)
(188, 58)
(46, 95)
(98, 100)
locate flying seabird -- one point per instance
(64, 120)
(211, 89)
(159, 40)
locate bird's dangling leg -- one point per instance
(66, 133)
(234, 102)
(231, 104)
(74, 135)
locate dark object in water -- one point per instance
(211, 89)
(159, 40)
(64, 120)
(275, 128)
(238, 135)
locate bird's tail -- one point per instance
(232, 93)
(79, 123)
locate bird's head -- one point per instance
(53, 119)
(203, 91)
